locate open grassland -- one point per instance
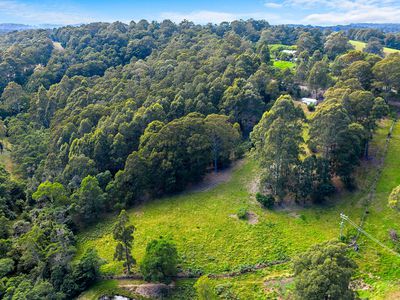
(361, 45)
(373, 259)
(211, 239)
(282, 64)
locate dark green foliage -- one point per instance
(242, 213)
(89, 199)
(12, 198)
(6, 266)
(86, 271)
(123, 234)
(324, 272)
(277, 139)
(311, 107)
(374, 46)
(336, 44)
(266, 201)
(160, 261)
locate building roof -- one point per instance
(309, 101)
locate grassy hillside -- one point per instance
(210, 238)
(361, 45)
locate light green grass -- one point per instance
(282, 64)
(209, 238)
(374, 259)
(6, 160)
(361, 45)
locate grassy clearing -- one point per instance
(374, 259)
(361, 45)
(5, 159)
(282, 64)
(210, 238)
(280, 47)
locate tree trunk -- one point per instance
(366, 151)
(127, 260)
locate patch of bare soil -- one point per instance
(252, 218)
(359, 285)
(234, 216)
(393, 295)
(57, 46)
(294, 215)
(149, 290)
(254, 185)
(212, 179)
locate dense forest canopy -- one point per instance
(103, 116)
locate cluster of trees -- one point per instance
(36, 251)
(101, 116)
(280, 148)
(338, 133)
(21, 54)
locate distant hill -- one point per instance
(8, 27)
(385, 27)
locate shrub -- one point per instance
(311, 107)
(322, 191)
(242, 213)
(266, 201)
(6, 266)
(394, 198)
(160, 261)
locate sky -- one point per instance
(314, 12)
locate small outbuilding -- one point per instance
(290, 52)
(309, 101)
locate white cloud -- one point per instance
(203, 16)
(348, 11)
(272, 5)
(28, 13)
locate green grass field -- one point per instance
(282, 64)
(210, 238)
(361, 45)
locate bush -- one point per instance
(394, 198)
(322, 191)
(6, 266)
(242, 213)
(160, 261)
(311, 107)
(266, 201)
